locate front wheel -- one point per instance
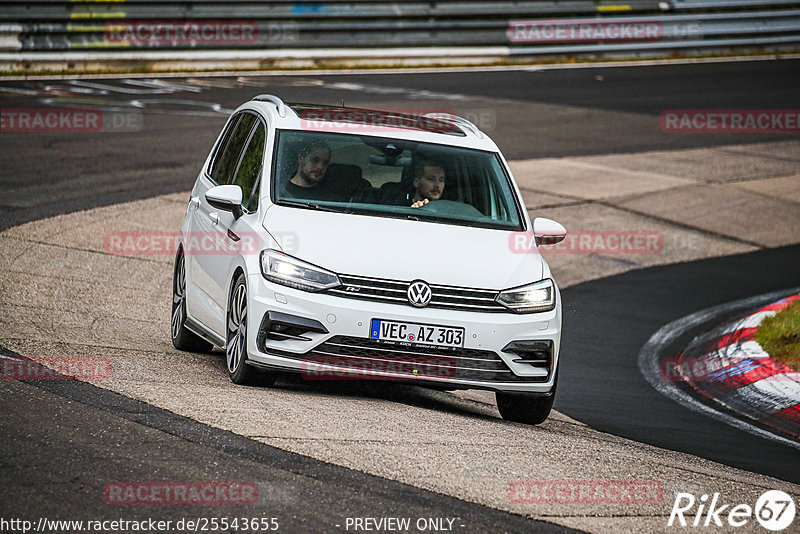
(183, 338)
(236, 347)
(526, 408)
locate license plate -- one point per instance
(413, 334)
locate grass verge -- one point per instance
(779, 335)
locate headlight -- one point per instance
(288, 271)
(536, 297)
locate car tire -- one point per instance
(239, 371)
(182, 337)
(526, 408)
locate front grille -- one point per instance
(394, 292)
(360, 354)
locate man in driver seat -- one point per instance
(429, 179)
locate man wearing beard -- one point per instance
(308, 181)
(429, 177)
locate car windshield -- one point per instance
(388, 177)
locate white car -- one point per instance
(359, 244)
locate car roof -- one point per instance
(427, 126)
(374, 117)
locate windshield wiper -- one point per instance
(310, 205)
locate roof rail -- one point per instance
(461, 121)
(275, 100)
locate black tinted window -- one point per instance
(226, 137)
(250, 168)
(228, 156)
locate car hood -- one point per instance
(402, 249)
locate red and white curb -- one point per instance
(728, 366)
(740, 384)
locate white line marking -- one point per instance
(764, 397)
(416, 94)
(753, 321)
(649, 357)
(725, 330)
(752, 349)
(730, 355)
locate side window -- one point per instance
(226, 137)
(225, 162)
(249, 171)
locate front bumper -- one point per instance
(340, 347)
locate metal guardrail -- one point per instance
(659, 32)
(722, 4)
(9, 36)
(61, 10)
(518, 27)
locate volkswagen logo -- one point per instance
(419, 294)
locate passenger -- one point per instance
(309, 181)
(316, 178)
(429, 179)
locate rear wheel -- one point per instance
(236, 347)
(183, 338)
(526, 408)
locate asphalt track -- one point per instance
(602, 383)
(50, 173)
(63, 440)
(606, 321)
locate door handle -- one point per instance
(214, 217)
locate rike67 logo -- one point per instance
(774, 510)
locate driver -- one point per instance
(429, 179)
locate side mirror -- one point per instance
(548, 231)
(226, 198)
